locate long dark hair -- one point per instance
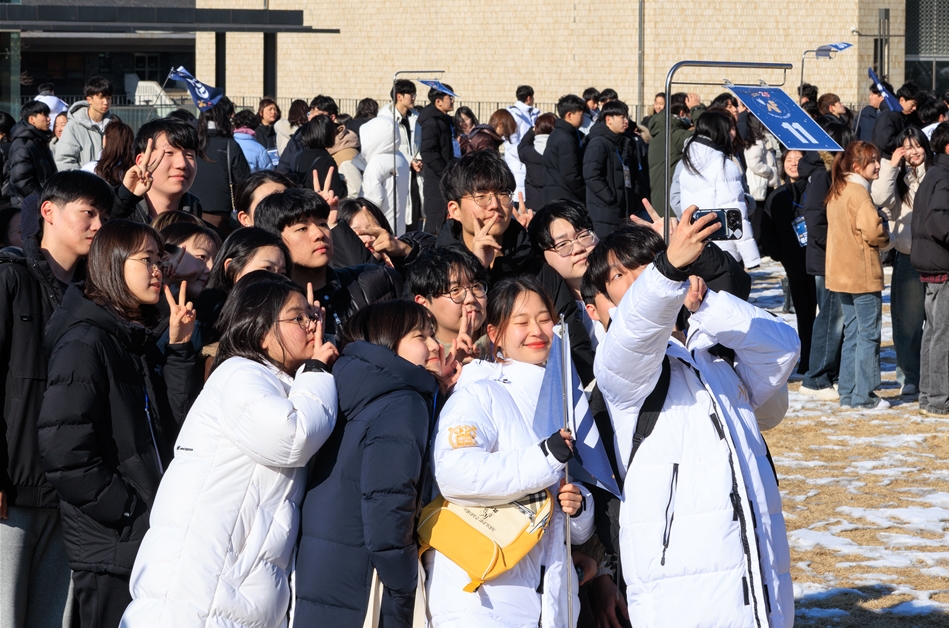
(220, 114)
(297, 113)
(115, 243)
(503, 297)
(386, 323)
(714, 126)
(250, 312)
(117, 154)
(240, 248)
(915, 135)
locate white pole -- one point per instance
(567, 408)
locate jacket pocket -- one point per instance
(670, 512)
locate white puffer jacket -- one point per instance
(702, 535)
(762, 173)
(225, 520)
(411, 150)
(378, 182)
(485, 452)
(718, 184)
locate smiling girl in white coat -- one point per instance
(486, 453)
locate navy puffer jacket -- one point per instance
(361, 501)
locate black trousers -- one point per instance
(804, 297)
(102, 598)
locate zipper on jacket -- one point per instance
(151, 430)
(670, 512)
(744, 589)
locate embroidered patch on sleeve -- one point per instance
(463, 436)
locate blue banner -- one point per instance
(204, 96)
(439, 86)
(891, 101)
(784, 118)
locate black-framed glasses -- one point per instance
(483, 199)
(565, 248)
(303, 320)
(458, 294)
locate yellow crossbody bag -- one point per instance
(485, 541)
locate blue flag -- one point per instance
(590, 463)
(204, 96)
(891, 101)
(439, 86)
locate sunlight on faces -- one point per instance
(143, 273)
(287, 344)
(40, 121)
(309, 242)
(600, 310)
(362, 221)
(574, 265)
(421, 349)
(914, 153)
(791, 161)
(620, 279)
(869, 172)
(269, 114)
(72, 225)
(528, 333)
(247, 218)
(268, 258)
(195, 265)
(468, 212)
(59, 125)
(175, 173)
(99, 103)
(448, 314)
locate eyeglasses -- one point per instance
(565, 248)
(303, 320)
(483, 199)
(458, 294)
(150, 264)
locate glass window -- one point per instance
(920, 72)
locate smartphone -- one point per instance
(729, 221)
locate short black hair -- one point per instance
(723, 100)
(588, 291)
(325, 104)
(403, 86)
(679, 109)
(246, 118)
(678, 97)
(572, 211)
(437, 94)
(614, 108)
(6, 123)
(46, 88)
(386, 323)
(246, 188)
(908, 91)
(182, 114)
(591, 93)
(632, 246)
(571, 103)
(98, 86)
(876, 90)
(930, 109)
(607, 95)
(240, 247)
(806, 90)
(940, 138)
(810, 107)
(524, 92)
(33, 108)
(482, 170)
(76, 186)
(279, 210)
(431, 273)
(179, 134)
(319, 132)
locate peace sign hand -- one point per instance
(485, 246)
(326, 191)
(138, 178)
(463, 347)
(181, 316)
(450, 370)
(323, 351)
(521, 213)
(658, 222)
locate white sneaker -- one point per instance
(882, 404)
(824, 394)
(909, 390)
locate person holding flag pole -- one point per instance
(494, 468)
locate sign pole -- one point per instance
(567, 407)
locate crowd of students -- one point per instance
(229, 395)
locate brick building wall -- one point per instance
(488, 47)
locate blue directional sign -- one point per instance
(784, 118)
(439, 86)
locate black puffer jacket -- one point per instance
(888, 125)
(604, 156)
(369, 471)
(130, 207)
(534, 163)
(31, 162)
(563, 165)
(779, 239)
(436, 152)
(266, 136)
(930, 228)
(4, 156)
(211, 179)
(812, 168)
(519, 259)
(30, 294)
(319, 159)
(109, 419)
(348, 290)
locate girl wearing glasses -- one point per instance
(226, 515)
(367, 481)
(112, 410)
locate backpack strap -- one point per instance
(652, 407)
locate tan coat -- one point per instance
(855, 233)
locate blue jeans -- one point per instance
(824, 362)
(908, 309)
(860, 357)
